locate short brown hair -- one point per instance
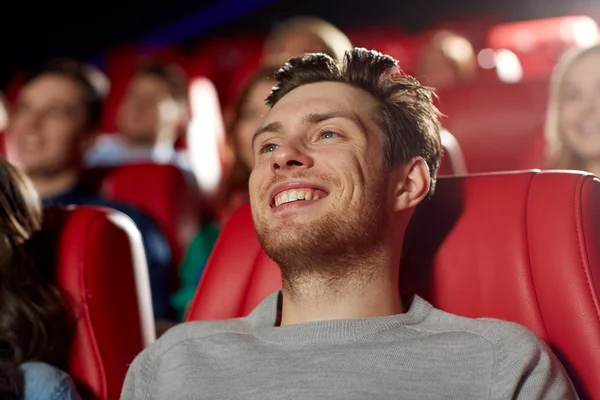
(406, 113)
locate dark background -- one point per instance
(34, 30)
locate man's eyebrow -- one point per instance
(311, 119)
(275, 127)
(315, 118)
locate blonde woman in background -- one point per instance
(573, 119)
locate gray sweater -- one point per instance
(424, 353)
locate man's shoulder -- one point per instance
(502, 335)
(190, 333)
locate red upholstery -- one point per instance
(517, 246)
(453, 161)
(539, 43)
(403, 47)
(162, 191)
(499, 126)
(99, 263)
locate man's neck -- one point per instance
(353, 298)
(54, 185)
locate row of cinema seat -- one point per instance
(518, 246)
(498, 124)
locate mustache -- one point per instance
(316, 177)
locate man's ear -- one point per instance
(412, 182)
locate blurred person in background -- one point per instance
(446, 59)
(149, 120)
(573, 119)
(35, 321)
(54, 122)
(300, 35)
(3, 113)
(249, 110)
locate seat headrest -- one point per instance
(520, 246)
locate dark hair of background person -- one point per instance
(35, 321)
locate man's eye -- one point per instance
(328, 135)
(268, 148)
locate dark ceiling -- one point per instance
(33, 30)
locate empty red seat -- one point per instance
(499, 126)
(520, 246)
(163, 191)
(99, 263)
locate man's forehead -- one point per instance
(320, 98)
(52, 88)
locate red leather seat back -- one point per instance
(162, 191)
(517, 246)
(453, 161)
(99, 264)
(499, 126)
(539, 43)
(403, 47)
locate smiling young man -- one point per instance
(343, 157)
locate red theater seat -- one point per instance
(539, 43)
(499, 126)
(453, 161)
(99, 264)
(403, 47)
(161, 190)
(517, 246)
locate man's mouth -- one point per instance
(296, 192)
(289, 196)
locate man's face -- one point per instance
(319, 143)
(147, 109)
(47, 132)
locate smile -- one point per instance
(289, 196)
(293, 193)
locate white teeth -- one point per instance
(294, 195)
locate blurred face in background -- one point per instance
(3, 114)
(252, 112)
(148, 113)
(435, 69)
(292, 44)
(579, 108)
(446, 60)
(48, 130)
